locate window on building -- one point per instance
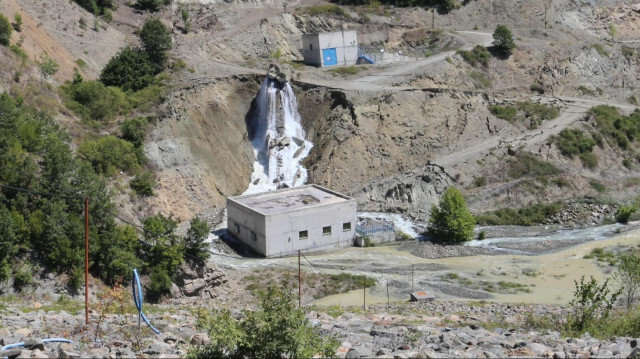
(346, 226)
(326, 230)
(237, 229)
(253, 236)
(303, 234)
(310, 46)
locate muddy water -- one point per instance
(549, 278)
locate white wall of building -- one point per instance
(283, 229)
(247, 225)
(345, 43)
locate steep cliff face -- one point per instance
(200, 147)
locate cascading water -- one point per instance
(278, 140)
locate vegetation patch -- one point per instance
(602, 256)
(480, 79)
(574, 142)
(600, 50)
(532, 113)
(478, 55)
(526, 164)
(347, 70)
(328, 10)
(619, 129)
(526, 216)
(319, 284)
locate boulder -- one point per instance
(281, 73)
(636, 7)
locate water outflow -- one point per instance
(277, 137)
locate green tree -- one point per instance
(117, 254)
(143, 184)
(278, 328)
(451, 220)
(167, 247)
(131, 69)
(94, 101)
(628, 277)
(195, 245)
(8, 239)
(5, 30)
(503, 40)
(109, 154)
(134, 130)
(156, 40)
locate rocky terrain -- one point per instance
(404, 330)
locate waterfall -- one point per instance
(278, 139)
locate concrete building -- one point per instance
(282, 222)
(330, 48)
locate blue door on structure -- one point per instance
(330, 57)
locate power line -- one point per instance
(41, 193)
(313, 265)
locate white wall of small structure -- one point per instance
(345, 43)
(278, 234)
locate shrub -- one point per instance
(5, 30)
(507, 113)
(17, 25)
(591, 303)
(131, 69)
(600, 50)
(481, 80)
(572, 142)
(616, 127)
(156, 40)
(195, 245)
(160, 284)
(451, 220)
(329, 9)
(526, 216)
(277, 328)
(597, 186)
(47, 65)
(23, 277)
(134, 130)
(151, 5)
(503, 40)
(539, 88)
(526, 164)
(347, 70)
(109, 154)
(482, 235)
(478, 55)
(92, 100)
(143, 184)
(628, 277)
(624, 212)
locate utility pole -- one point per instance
(412, 278)
(364, 292)
(387, 294)
(344, 46)
(86, 259)
(545, 15)
(299, 282)
(433, 19)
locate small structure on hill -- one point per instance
(330, 48)
(281, 222)
(422, 296)
(374, 231)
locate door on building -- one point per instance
(330, 57)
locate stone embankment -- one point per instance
(582, 214)
(403, 330)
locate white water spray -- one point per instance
(279, 144)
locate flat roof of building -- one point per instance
(289, 199)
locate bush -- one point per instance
(160, 284)
(628, 277)
(151, 5)
(624, 212)
(451, 220)
(17, 25)
(109, 154)
(156, 40)
(5, 30)
(479, 55)
(615, 127)
(277, 328)
(482, 235)
(503, 40)
(526, 164)
(526, 216)
(591, 303)
(573, 142)
(507, 113)
(134, 130)
(131, 69)
(333, 10)
(47, 65)
(597, 186)
(600, 50)
(92, 100)
(143, 184)
(195, 245)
